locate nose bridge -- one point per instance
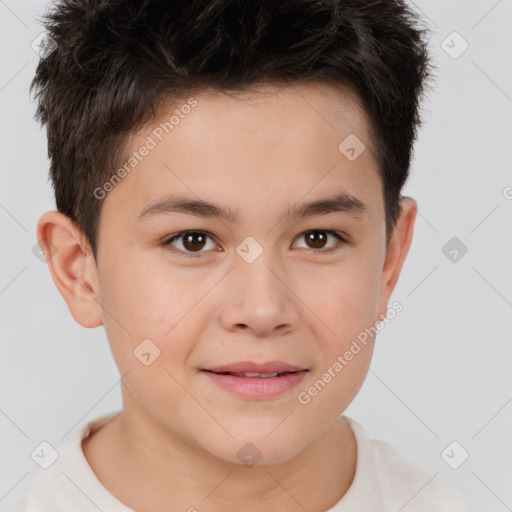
(260, 299)
(258, 270)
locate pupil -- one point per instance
(190, 241)
(316, 238)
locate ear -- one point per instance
(397, 250)
(71, 265)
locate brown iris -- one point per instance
(194, 241)
(316, 239)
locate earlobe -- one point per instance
(71, 265)
(397, 250)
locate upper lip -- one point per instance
(251, 367)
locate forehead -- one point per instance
(271, 145)
(299, 110)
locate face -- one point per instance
(283, 275)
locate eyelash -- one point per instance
(189, 254)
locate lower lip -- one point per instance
(256, 387)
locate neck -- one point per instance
(147, 467)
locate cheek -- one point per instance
(147, 302)
(148, 295)
(347, 301)
(348, 308)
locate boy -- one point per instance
(277, 136)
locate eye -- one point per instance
(316, 238)
(192, 241)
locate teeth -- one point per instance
(263, 375)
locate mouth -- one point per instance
(269, 367)
(256, 381)
(255, 374)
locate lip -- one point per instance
(252, 367)
(256, 387)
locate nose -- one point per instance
(260, 299)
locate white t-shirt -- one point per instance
(383, 481)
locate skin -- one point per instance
(175, 444)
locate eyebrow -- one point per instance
(338, 203)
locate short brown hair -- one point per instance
(117, 62)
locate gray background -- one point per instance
(441, 369)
